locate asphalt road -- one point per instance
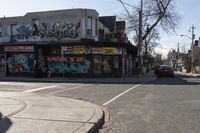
(166, 105)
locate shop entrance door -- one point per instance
(97, 65)
(2, 65)
(107, 65)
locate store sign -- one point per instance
(18, 48)
(78, 50)
(107, 50)
(67, 50)
(96, 50)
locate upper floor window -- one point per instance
(36, 24)
(96, 26)
(89, 25)
(0, 31)
(13, 29)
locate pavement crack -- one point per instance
(36, 119)
(24, 105)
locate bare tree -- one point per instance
(157, 14)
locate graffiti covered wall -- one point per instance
(68, 65)
(44, 32)
(4, 33)
(60, 30)
(21, 63)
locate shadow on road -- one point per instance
(178, 79)
(5, 123)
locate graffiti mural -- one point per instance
(68, 64)
(60, 30)
(3, 31)
(24, 32)
(28, 32)
(21, 63)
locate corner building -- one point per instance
(70, 43)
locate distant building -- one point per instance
(178, 60)
(74, 42)
(196, 57)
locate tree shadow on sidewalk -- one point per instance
(5, 123)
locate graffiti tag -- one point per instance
(23, 31)
(68, 64)
(59, 30)
(21, 63)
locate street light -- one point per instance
(192, 48)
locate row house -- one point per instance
(73, 42)
(179, 61)
(196, 57)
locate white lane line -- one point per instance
(113, 99)
(41, 88)
(68, 89)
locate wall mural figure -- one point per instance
(60, 31)
(69, 65)
(21, 63)
(23, 32)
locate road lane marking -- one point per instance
(41, 88)
(80, 86)
(113, 99)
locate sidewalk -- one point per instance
(35, 113)
(128, 79)
(39, 113)
(188, 74)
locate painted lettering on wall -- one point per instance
(60, 30)
(68, 64)
(28, 32)
(21, 63)
(23, 31)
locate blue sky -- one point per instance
(188, 9)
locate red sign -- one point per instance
(18, 48)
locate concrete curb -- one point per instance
(94, 120)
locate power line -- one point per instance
(128, 4)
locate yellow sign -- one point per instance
(109, 51)
(96, 50)
(78, 50)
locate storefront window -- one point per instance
(97, 64)
(2, 65)
(116, 62)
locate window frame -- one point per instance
(89, 25)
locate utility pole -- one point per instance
(140, 37)
(192, 48)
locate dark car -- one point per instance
(165, 70)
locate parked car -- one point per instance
(165, 70)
